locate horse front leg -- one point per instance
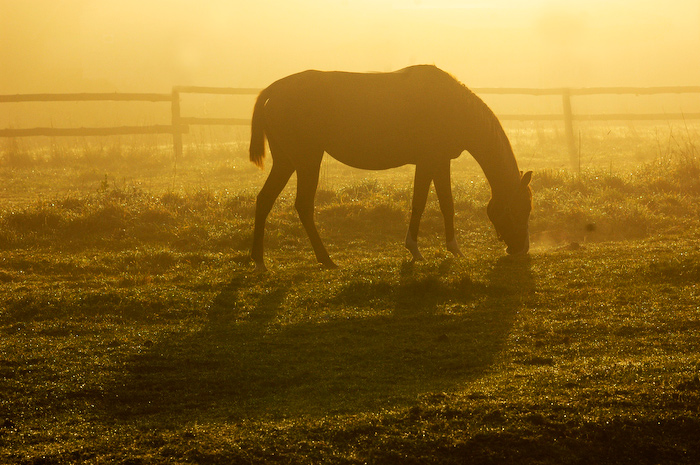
(443, 188)
(421, 186)
(307, 182)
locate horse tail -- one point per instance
(257, 130)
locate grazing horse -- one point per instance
(419, 115)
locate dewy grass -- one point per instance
(134, 330)
(556, 358)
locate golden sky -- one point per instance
(151, 45)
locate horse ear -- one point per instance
(525, 180)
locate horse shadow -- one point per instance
(440, 334)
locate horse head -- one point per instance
(510, 217)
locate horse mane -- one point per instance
(488, 142)
(484, 120)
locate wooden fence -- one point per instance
(568, 116)
(180, 124)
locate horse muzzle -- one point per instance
(520, 248)
(522, 251)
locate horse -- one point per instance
(419, 115)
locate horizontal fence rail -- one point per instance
(86, 97)
(90, 97)
(180, 124)
(217, 90)
(110, 131)
(589, 90)
(602, 117)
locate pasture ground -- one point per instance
(133, 330)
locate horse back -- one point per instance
(368, 120)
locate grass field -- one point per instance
(133, 329)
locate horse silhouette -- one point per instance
(419, 115)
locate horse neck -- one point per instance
(487, 142)
(495, 156)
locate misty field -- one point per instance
(133, 329)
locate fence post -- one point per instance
(177, 125)
(569, 126)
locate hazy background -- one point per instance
(151, 45)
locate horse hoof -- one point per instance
(260, 267)
(329, 265)
(454, 248)
(412, 246)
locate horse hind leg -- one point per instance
(280, 173)
(307, 183)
